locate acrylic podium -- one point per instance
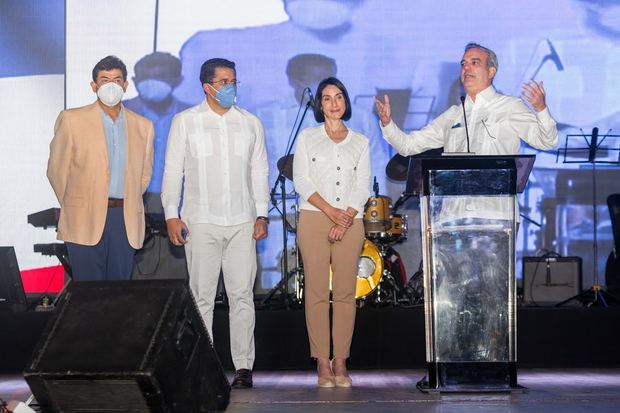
(469, 219)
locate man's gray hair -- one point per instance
(491, 61)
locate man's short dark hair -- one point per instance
(300, 63)
(492, 57)
(207, 70)
(110, 63)
(170, 64)
(318, 111)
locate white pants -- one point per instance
(233, 250)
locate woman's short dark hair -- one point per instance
(207, 70)
(109, 63)
(318, 111)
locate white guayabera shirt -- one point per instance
(220, 165)
(496, 125)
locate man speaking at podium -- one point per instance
(471, 238)
(486, 123)
(493, 123)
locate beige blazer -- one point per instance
(79, 173)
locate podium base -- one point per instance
(471, 377)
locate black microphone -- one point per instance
(593, 145)
(465, 121)
(310, 97)
(375, 187)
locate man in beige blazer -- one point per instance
(100, 164)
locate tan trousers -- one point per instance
(317, 253)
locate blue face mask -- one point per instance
(153, 90)
(226, 96)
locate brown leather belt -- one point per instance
(115, 203)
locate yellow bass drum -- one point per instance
(369, 270)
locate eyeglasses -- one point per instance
(225, 82)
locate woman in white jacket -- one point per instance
(332, 176)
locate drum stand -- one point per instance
(387, 290)
(282, 286)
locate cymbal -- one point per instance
(285, 166)
(396, 169)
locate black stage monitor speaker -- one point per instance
(127, 346)
(550, 280)
(12, 296)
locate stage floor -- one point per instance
(548, 390)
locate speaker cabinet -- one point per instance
(12, 296)
(551, 280)
(127, 346)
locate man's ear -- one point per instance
(206, 88)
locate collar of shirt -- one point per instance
(204, 107)
(482, 98)
(326, 136)
(106, 118)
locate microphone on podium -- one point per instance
(465, 121)
(310, 97)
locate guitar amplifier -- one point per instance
(551, 280)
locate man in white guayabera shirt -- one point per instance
(496, 124)
(472, 264)
(216, 152)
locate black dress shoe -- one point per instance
(243, 379)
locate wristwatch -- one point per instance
(263, 219)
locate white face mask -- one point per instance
(318, 14)
(110, 94)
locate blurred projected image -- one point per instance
(156, 75)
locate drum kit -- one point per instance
(381, 277)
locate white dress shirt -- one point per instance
(224, 164)
(339, 172)
(496, 125)
(278, 116)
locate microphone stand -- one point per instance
(466, 134)
(282, 286)
(465, 121)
